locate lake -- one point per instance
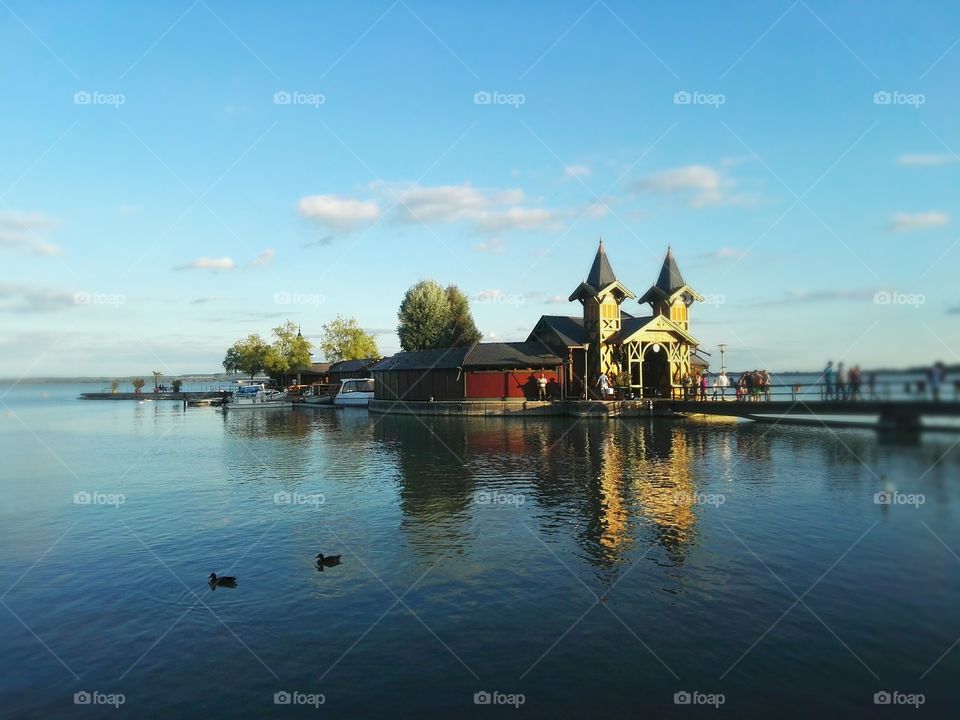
(545, 568)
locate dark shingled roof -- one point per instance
(630, 325)
(670, 278)
(568, 329)
(511, 355)
(350, 365)
(441, 359)
(601, 274)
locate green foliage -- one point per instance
(290, 351)
(248, 356)
(344, 339)
(177, 384)
(114, 386)
(431, 317)
(462, 330)
(138, 384)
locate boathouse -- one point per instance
(484, 371)
(646, 355)
(347, 369)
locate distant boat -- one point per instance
(354, 392)
(254, 395)
(318, 395)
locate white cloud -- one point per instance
(556, 300)
(485, 210)
(572, 171)
(918, 221)
(32, 299)
(493, 246)
(702, 184)
(928, 160)
(338, 213)
(263, 258)
(724, 253)
(202, 263)
(22, 231)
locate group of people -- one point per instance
(750, 385)
(838, 384)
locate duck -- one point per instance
(225, 581)
(327, 560)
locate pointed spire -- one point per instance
(601, 273)
(670, 277)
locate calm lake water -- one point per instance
(595, 567)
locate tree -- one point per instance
(138, 384)
(462, 330)
(425, 317)
(177, 385)
(290, 352)
(344, 339)
(248, 356)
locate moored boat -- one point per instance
(252, 395)
(354, 392)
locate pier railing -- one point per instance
(887, 390)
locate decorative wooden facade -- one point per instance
(649, 356)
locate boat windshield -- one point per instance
(362, 385)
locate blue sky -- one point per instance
(176, 175)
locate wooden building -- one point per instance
(484, 371)
(347, 369)
(648, 354)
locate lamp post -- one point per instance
(723, 348)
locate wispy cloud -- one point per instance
(801, 296)
(24, 231)
(263, 258)
(493, 246)
(31, 299)
(724, 253)
(918, 221)
(572, 171)
(926, 160)
(213, 264)
(701, 185)
(338, 213)
(207, 300)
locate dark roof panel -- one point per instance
(441, 359)
(511, 355)
(601, 274)
(350, 365)
(568, 329)
(670, 278)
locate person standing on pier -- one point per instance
(766, 385)
(721, 383)
(828, 381)
(542, 387)
(855, 380)
(603, 384)
(704, 383)
(935, 376)
(841, 382)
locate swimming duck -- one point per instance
(225, 581)
(328, 560)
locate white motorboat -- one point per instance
(254, 395)
(354, 392)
